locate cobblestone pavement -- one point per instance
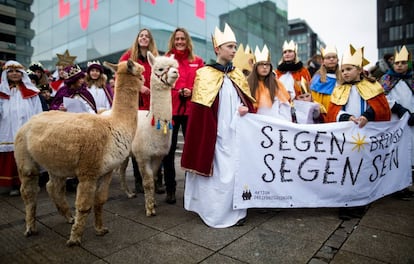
(385, 234)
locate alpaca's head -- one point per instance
(163, 69)
(128, 67)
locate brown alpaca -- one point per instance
(152, 139)
(85, 145)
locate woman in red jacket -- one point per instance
(181, 46)
(143, 43)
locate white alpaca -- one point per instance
(82, 145)
(152, 140)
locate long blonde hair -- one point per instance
(100, 82)
(136, 49)
(323, 72)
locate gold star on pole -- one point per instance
(65, 59)
(359, 142)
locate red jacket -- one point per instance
(144, 99)
(187, 71)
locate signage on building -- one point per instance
(85, 7)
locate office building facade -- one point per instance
(104, 29)
(15, 31)
(395, 19)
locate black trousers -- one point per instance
(169, 160)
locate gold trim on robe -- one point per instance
(366, 90)
(209, 80)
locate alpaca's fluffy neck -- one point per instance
(125, 104)
(161, 105)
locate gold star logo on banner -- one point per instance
(359, 142)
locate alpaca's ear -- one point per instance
(111, 66)
(150, 58)
(131, 66)
(172, 56)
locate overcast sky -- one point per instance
(341, 22)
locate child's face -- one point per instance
(46, 94)
(400, 66)
(289, 56)
(330, 60)
(263, 68)
(94, 73)
(351, 73)
(226, 51)
(307, 97)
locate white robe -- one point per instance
(212, 197)
(403, 95)
(15, 112)
(101, 101)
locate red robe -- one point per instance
(371, 92)
(200, 139)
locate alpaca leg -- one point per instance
(29, 190)
(84, 202)
(124, 186)
(101, 196)
(148, 183)
(56, 187)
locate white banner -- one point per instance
(284, 165)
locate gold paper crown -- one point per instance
(243, 59)
(248, 50)
(291, 45)
(304, 86)
(263, 55)
(72, 71)
(329, 49)
(354, 57)
(220, 38)
(65, 59)
(403, 55)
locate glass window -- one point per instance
(78, 47)
(398, 12)
(120, 10)
(44, 21)
(60, 34)
(409, 29)
(74, 27)
(388, 14)
(44, 41)
(98, 44)
(123, 34)
(99, 18)
(162, 11)
(187, 17)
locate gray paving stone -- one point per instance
(13, 241)
(381, 245)
(161, 248)
(306, 225)
(264, 246)
(198, 233)
(219, 258)
(122, 234)
(345, 257)
(398, 220)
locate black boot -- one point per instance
(137, 176)
(71, 184)
(170, 198)
(159, 187)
